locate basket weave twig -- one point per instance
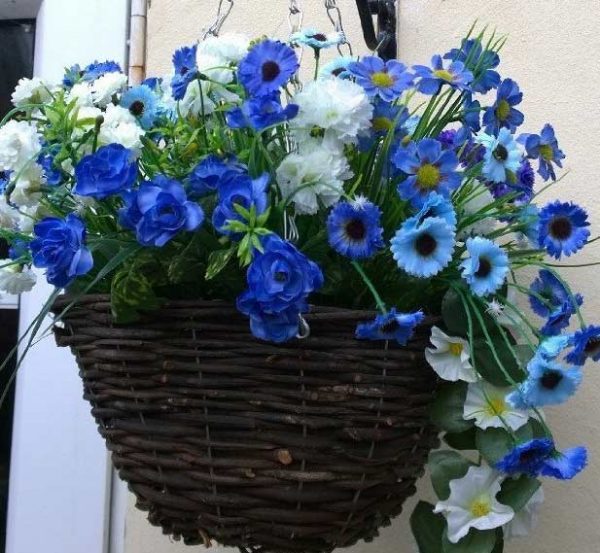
(302, 447)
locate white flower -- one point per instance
(338, 108)
(29, 216)
(196, 100)
(312, 177)
(120, 127)
(504, 314)
(9, 216)
(16, 279)
(450, 358)
(473, 504)
(480, 198)
(488, 406)
(19, 145)
(105, 87)
(31, 91)
(215, 68)
(231, 47)
(81, 94)
(526, 519)
(27, 190)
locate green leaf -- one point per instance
(217, 261)
(445, 466)
(427, 528)
(447, 408)
(517, 492)
(464, 441)
(499, 548)
(488, 367)
(131, 293)
(476, 541)
(495, 443)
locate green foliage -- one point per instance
(447, 408)
(495, 443)
(464, 441)
(516, 492)
(476, 541)
(427, 528)
(445, 466)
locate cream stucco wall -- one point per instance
(553, 52)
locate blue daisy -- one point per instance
(563, 228)
(423, 249)
(97, 69)
(354, 229)
(431, 79)
(586, 345)
(317, 40)
(472, 113)
(386, 79)
(436, 205)
(503, 114)
(261, 112)
(527, 458)
(502, 155)
(519, 185)
(544, 147)
(186, 70)
(565, 465)
(559, 319)
(210, 172)
(268, 66)
(388, 117)
(142, 103)
(429, 168)
(338, 67)
(391, 326)
(552, 347)
(481, 62)
(549, 294)
(486, 267)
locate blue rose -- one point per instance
(59, 247)
(206, 176)
(158, 211)
(111, 170)
(278, 327)
(239, 189)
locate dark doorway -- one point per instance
(17, 39)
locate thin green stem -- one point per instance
(380, 304)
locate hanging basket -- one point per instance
(303, 447)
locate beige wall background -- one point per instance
(553, 52)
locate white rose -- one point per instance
(19, 145)
(231, 47)
(105, 87)
(16, 279)
(120, 127)
(31, 91)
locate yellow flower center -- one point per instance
(455, 348)
(443, 74)
(546, 152)
(503, 110)
(381, 124)
(496, 406)
(428, 176)
(381, 79)
(480, 507)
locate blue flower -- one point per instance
(52, 174)
(565, 465)
(261, 112)
(338, 67)
(552, 347)
(528, 217)
(472, 113)
(544, 147)
(432, 78)
(153, 83)
(519, 185)
(316, 40)
(481, 62)
(268, 66)
(549, 294)
(558, 319)
(4, 180)
(354, 229)
(239, 189)
(19, 249)
(111, 170)
(527, 458)
(391, 326)
(503, 114)
(186, 70)
(272, 327)
(98, 69)
(548, 383)
(436, 205)
(142, 103)
(388, 117)
(423, 249)
(206, 176)
(563, 228)
(72, 76)
(386, 79)
(160, 210)
(59, 247)
(502, 155)
(486, 267)
(586, 344)
(429, 168)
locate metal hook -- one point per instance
(304, 328)
(383, 40)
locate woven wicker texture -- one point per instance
(302, 447)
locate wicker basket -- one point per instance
(296, 448)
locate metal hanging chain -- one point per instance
(335, 16)
(295, 16)
(223, 11)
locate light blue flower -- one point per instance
(317, 40)
(436, 205)
(432, 78)
(386, 79)
(486, 267)
(501, 155)
(552, 347)
(567, 464)
(142, 103)
(338, 67)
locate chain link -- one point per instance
(335, 16)
(295, 16)
(223, 11)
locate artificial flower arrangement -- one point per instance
(373, 185)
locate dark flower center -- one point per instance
(319, 36)
(337, 72)
(3, 175)
(356, 229)
(592, 347)
(485, 268)
(501, 153)
(280, 276)
(270, 71)
(389, 326)
(137, 108)
(529, 455)
(425, 244)
(551, 379)
(561, 228)
(183, 71)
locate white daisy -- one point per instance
(526, 519)
(19, 145)
(31, 91)
(450, 357)
(105, 87)
(473, 504)
(488, 406)
(16, 279)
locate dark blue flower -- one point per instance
(52, 173)
(565, 465)
(486, 267)
(549, 294)
(586, 344)
(503, 114)
(158, 211)
(519, 184)
(527, 458)
(186, 70)
(98, 69)
(142, 103)
(59, 247)
(272, 327)
(4, 180)
(153, 83)
(206, 176)
(18, 249)
(432, 78)
(481, 62)
(386, 79)
(429, 168)
(72, 76)
(261, 112)
(267, 67)
(111, 170)
(472, 113)
(558, 319)
(544, 147)
(239, 189)
(354, 229)
(391, 326)
(563, 228)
